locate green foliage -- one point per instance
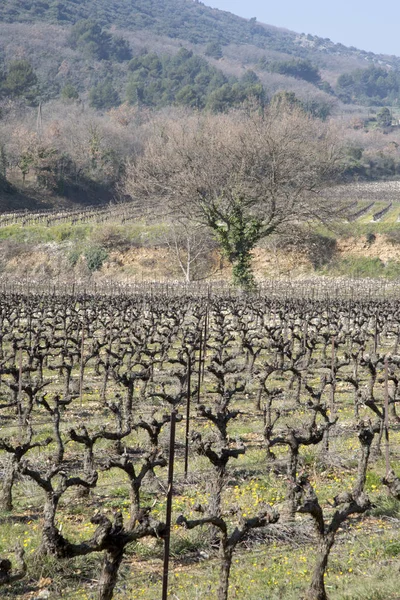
(214, 49)
(312, 106)
(186, 79)
(358, 164)
(95, 257)
(95, 43)
(388, 506)
(182, 19)
(104, 95)
(73, 257)
(365, 267)
(237, 241)
(372, 86)
(384, 117)
(19, 79)
(299, 68)
(69, 92)
(317, 108)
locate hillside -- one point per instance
(187, 20)
(100, 71)
(184, 19)
(45, 34)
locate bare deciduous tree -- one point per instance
(245, 174)
(190, 245)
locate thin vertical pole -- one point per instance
(169, 504)
(333, 377)
(205, 343)
(305, 331)
(81, 363)
(188, 415)
(387, 457)
(200, 364)
(20, 391)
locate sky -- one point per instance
(374, 27)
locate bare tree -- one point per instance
(190, 245)
(245, 175)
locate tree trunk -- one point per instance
(60, 446)
(50, 533)
(242, 272)
(134, 497)
(216, 487)
(224, 571)
(88, 470)
(325, 444)
(109, 573)
(317, 591)
(291, 504)
(8, 482)
(67, 379)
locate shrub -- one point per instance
(74, 256)
(95, 257)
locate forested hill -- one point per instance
(185, 19)
(188, 20)
(96, 68)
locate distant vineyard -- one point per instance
(120, 213)
(366, 203)
(369, 202)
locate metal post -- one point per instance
(333, 376)
(188, 416)
(169, 504)
(205, 343)
(387, 457)
(81, 363)
(20, 393)
(305, 331)
(200, 364)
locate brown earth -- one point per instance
(359, 247)
(50, 261)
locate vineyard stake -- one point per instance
(81, 363)
(333, 376)
(169, 504)
(387, 457)
(20, 393)
(188, 416)
(205, 343)
(305, 331)
(199, 372)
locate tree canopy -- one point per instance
(89, 37)
(19, 79)
(374, 85)
(186, 79)
(299, 68)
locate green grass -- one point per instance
(361, 267)
(41, 234)
(137, 233)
